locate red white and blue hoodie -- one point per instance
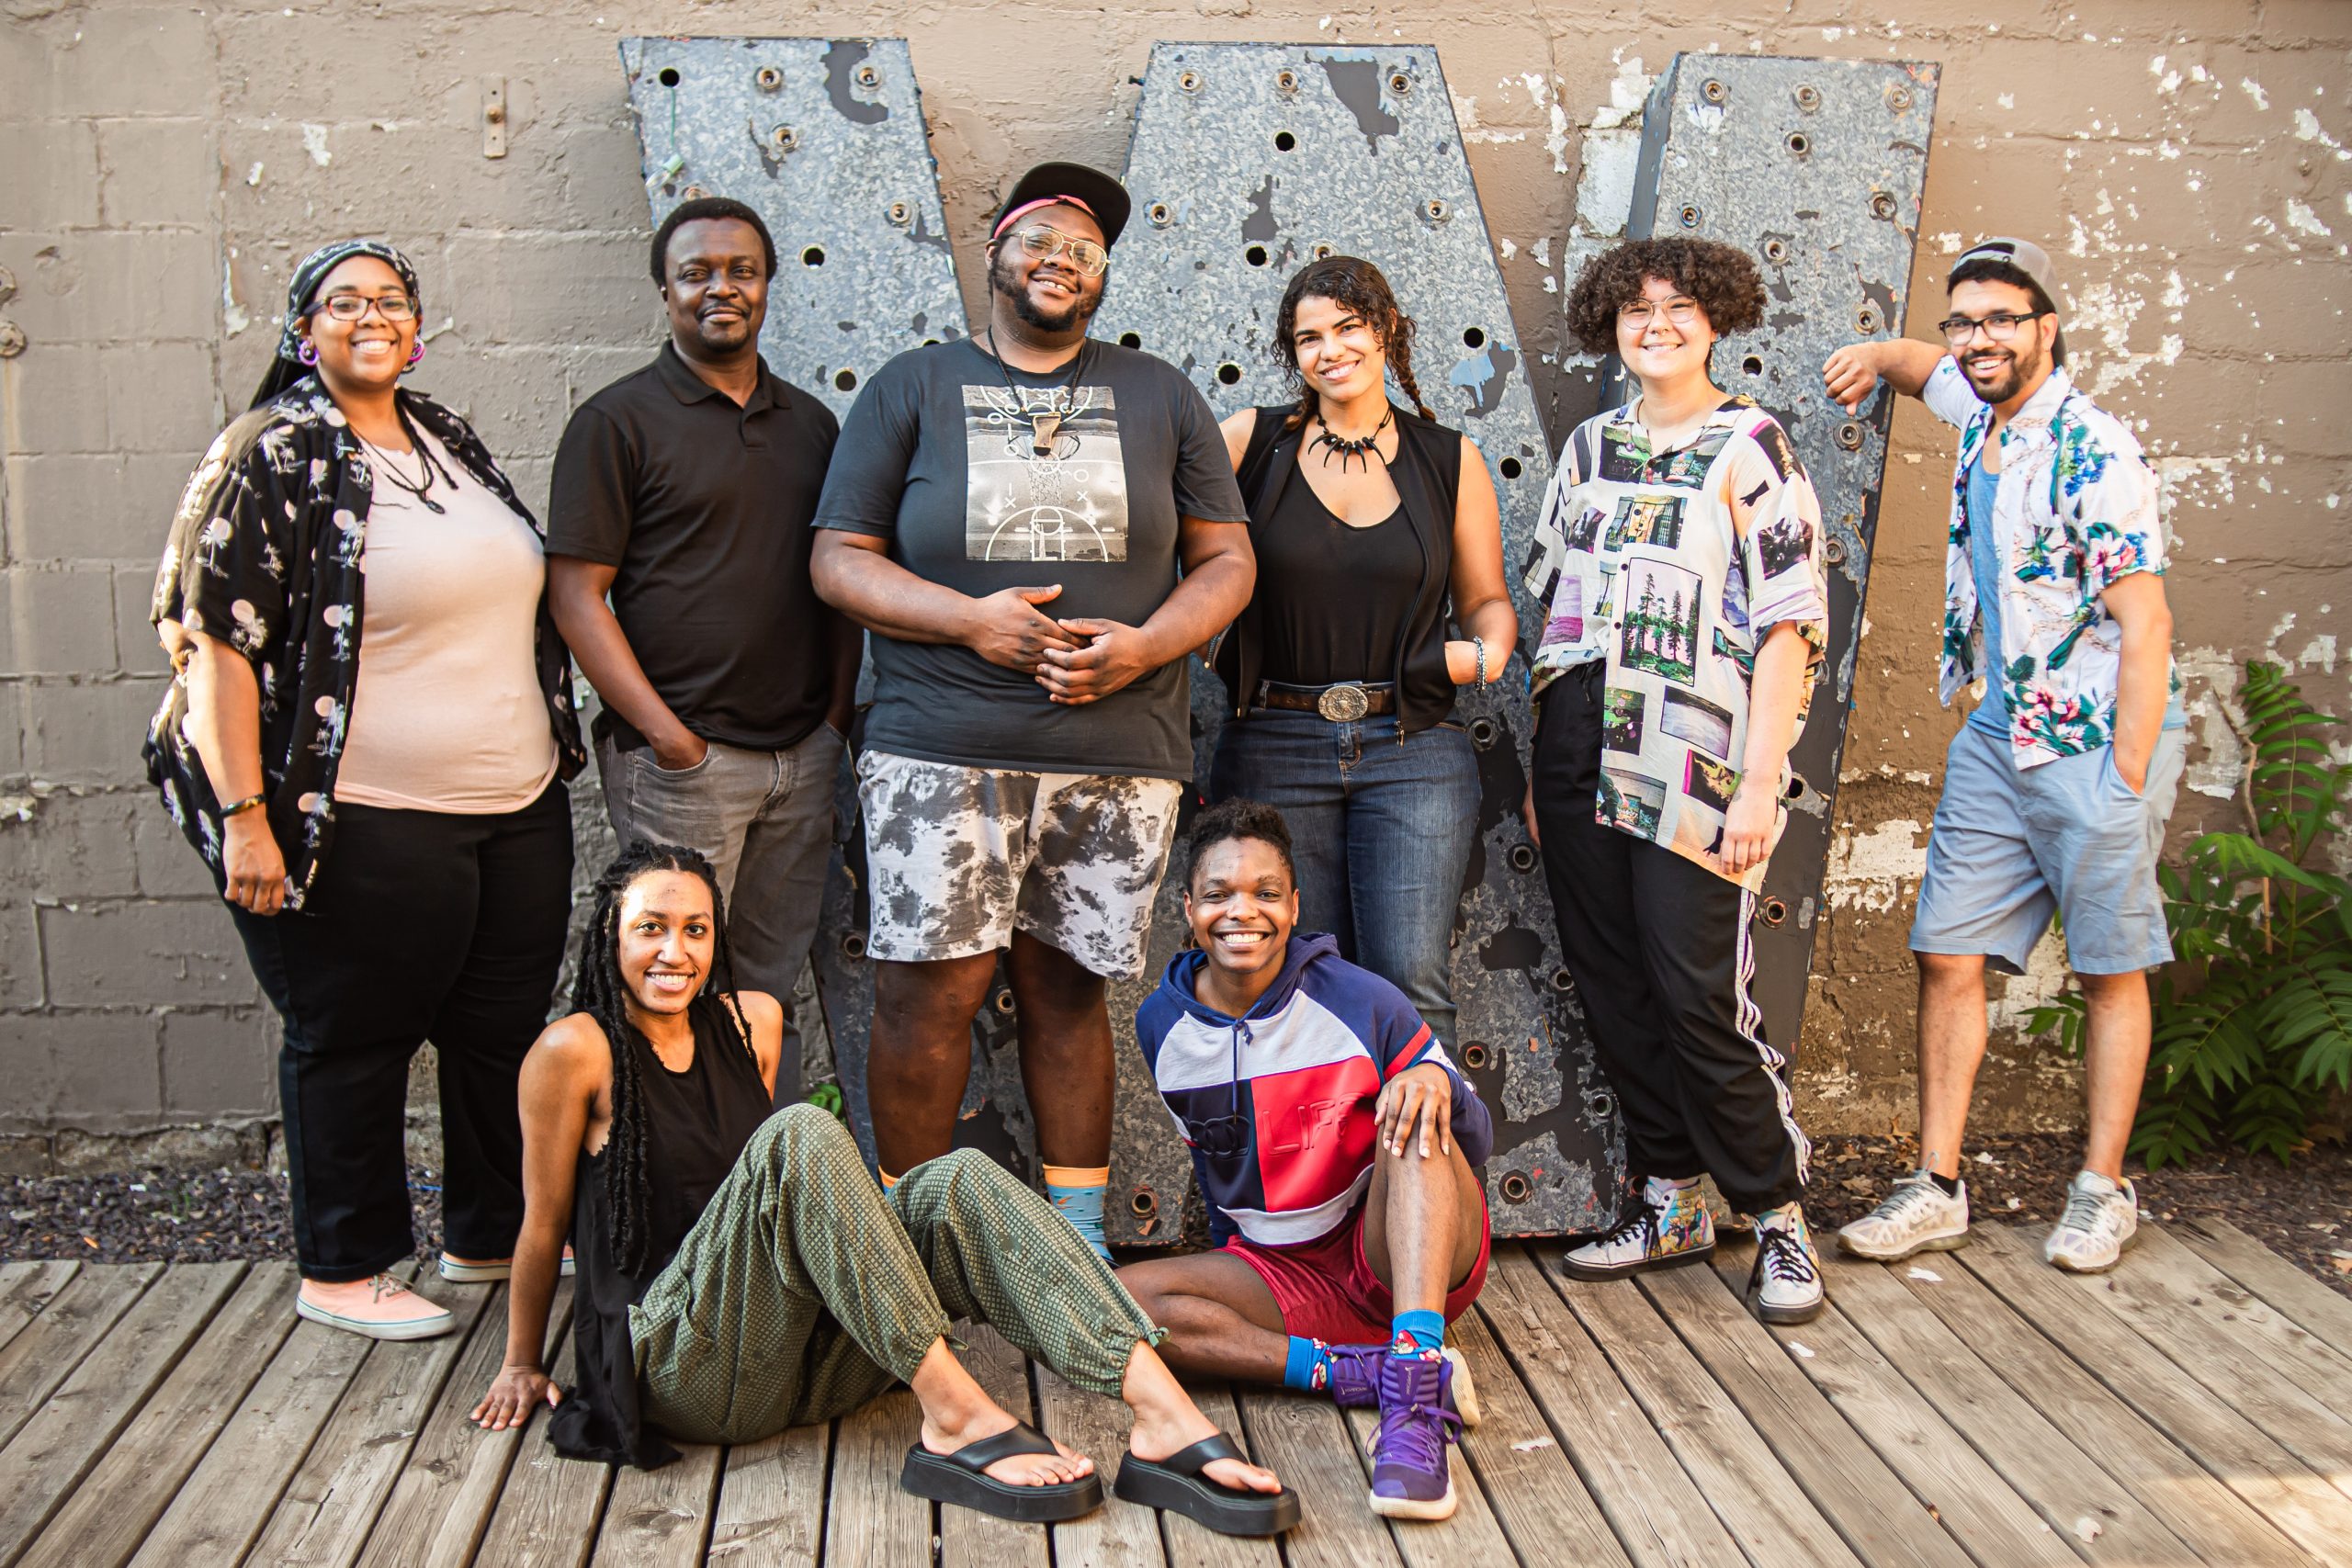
(1277, 1105)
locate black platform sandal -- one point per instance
(961, 1478)
(1177, 1484)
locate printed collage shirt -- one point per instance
(2076, 512)
(1673, 567)
(1277, 1105)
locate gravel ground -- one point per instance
(2303, 1211)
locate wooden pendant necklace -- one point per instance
(384, 465)
(1362, 449)
(1045, 423)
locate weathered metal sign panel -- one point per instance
(824, 138)
(1249, 161)
(1817, 168)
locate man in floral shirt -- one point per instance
(2057, 788)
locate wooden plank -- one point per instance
(1535, 1493)
(870, 1522)
(1872, 1510)
(1473, 1535)
(969, 1538)
(2161, 1263)
(443, 1498)
(1994, 1526)
(26, 1288)
(2323, 1313)
(2068, 1487)
(1657, 1514)
(110, 1513)
(323, 1517)
(2152, 1467)
(2206, 1335)
(549, 1508)
(1196, 1546)
(772, 1500)
(2273, 1481)
(53, 1451)
(230, 1496)
(660, 1519)
(1762, 1505)
(1116, 1535)
(1302, 1439)
(44, 1353)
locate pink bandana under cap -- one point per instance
(1026, 208)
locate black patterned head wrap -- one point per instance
(302, 291)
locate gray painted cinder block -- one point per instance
(84, 842)
(174, 952)
(549, 288)
(167, 864)
(59, 620)
(97, 1069)
(126, 60)
(162, 398)
(157, 173)
(20, 977)
(57, 405)
(221, 1063)
(87, 507)
(96, 286)
(137, 649)
(49, 174)
(87, 734)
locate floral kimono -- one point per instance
(2075, 510)
(264, 555)
(1672, 567)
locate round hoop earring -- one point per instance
(415, 358)
(309, 353)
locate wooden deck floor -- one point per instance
(1973, 1407)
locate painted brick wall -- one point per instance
(161, 166)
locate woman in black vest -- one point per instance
(1375, 528)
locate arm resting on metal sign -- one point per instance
(1853, 372)
(225, 722)
(2143, 681)
(1220, 569)
(1481, 605)
(1751, 824)
(576, 591)
(855, 574)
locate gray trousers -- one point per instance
(765, 821)
(804, 1290)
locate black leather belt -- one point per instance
(1342, 703)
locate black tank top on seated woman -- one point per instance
(1333, 596)
(697, 1123)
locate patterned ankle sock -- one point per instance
(1306, 1365)
(1661, 1190)
(1416, 1333)
(1076, 1190)
(888, 1180)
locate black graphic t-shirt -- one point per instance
(937, 458)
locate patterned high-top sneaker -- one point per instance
(1410, 1477)
(1785, 1285)
(1355, 1379)
(1666, 1226)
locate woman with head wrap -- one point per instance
(389, 827)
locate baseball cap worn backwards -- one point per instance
(2025, 257)
(1072, 185)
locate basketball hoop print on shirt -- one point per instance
(1066, 502)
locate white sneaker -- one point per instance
(1785, 1285)
(2102, 1219)
(1667, 1228)
(1915, 1217)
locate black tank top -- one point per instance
(1334, 598)
(697, 1124)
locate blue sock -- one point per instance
(1304, 1365)
(1076, 1191)
(1423, 1332)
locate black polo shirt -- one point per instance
(704, 508)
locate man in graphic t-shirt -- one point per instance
(1037, 528)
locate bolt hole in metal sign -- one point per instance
(825, 136)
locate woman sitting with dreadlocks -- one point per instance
(740, 1273)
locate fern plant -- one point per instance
(2254, 1015)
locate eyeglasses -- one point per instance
(1640, 313)
(1046, 244)
(355, 307)
(2000, 326)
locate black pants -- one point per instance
(1661, 955)
(423, 926)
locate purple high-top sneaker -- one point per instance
(1410, 1478)
(1355, 1379)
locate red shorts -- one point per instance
(1326, 1288)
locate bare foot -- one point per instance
(1015, 1470)
(1167, 1432)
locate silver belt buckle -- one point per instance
(1343, 703)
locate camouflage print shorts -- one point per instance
(957, 858)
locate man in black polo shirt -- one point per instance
(684, 492)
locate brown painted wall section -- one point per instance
(159, 166)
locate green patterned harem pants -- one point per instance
(804, 1291)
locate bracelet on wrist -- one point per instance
(1480, 644)
(234, 806)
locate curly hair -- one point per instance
(1722, 278)
(1232, 820)
(1354, 284)
(602, 993)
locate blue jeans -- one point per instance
(1382, 834)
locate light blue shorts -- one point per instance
(2011, 847)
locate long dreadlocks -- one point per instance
(604, 995)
